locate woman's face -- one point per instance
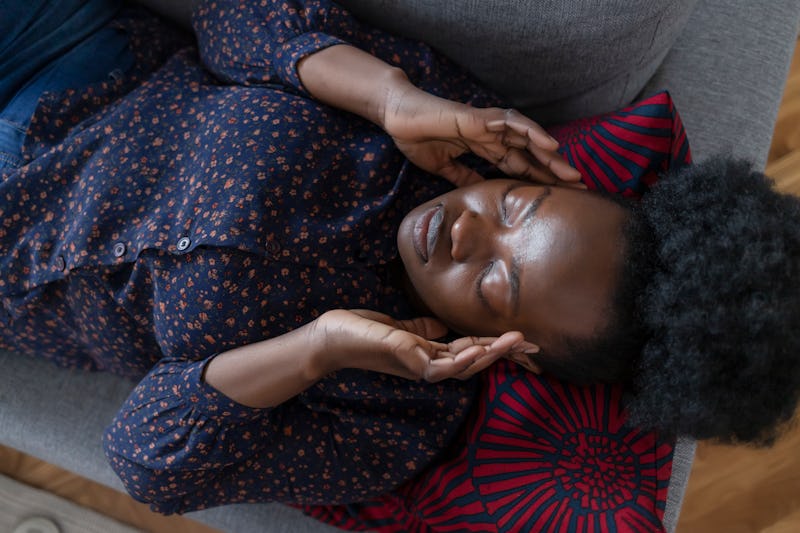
(507, 255)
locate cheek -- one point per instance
(463, 313)
(449, 296)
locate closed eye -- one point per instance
(479, 282)
(530, 210)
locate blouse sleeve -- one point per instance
(179, 445)
(175, 434)
(260, 43)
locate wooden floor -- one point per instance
(731, 489)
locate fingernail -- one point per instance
(531, 351)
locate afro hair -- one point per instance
(720, 306)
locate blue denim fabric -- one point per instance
(38, 61)
(33, 33)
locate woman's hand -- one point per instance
(375, 341)
(433, 132)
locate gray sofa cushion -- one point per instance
(555, 61)
(727, 74)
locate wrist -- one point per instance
(397, 100)
(353, 80)
(411, 113)
(320, 356)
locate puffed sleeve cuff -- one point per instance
(293, 51)
(260, 43)
(176, 435)
(207, 401)
(174, 420)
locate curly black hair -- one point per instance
(706, 324)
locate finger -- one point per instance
(520, 164)
(504, 342)
(574, 185)
(523, 165)
(458, 345)
(499, 348)
(458, 174)
(511, 139)
(448, 367)
(555, 163)
(528, 348)
(479, 365)
(507, 341)
(523, 125)
(522, 138)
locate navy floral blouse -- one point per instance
(205, 201)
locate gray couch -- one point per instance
(725, 68)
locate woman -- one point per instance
(230, 241)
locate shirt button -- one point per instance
(184, 243)
(60, 263)
(273, 247)
(119, 249)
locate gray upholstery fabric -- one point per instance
(555, 61)
(726, 70)
(682, 458)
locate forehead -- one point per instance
(569, 281)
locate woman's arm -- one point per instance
(432, 131)
(267, 373)
(316, 48)
(183, 441)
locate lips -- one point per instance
(426, 231)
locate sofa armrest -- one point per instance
(726, 73)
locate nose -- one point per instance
(469, 241)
